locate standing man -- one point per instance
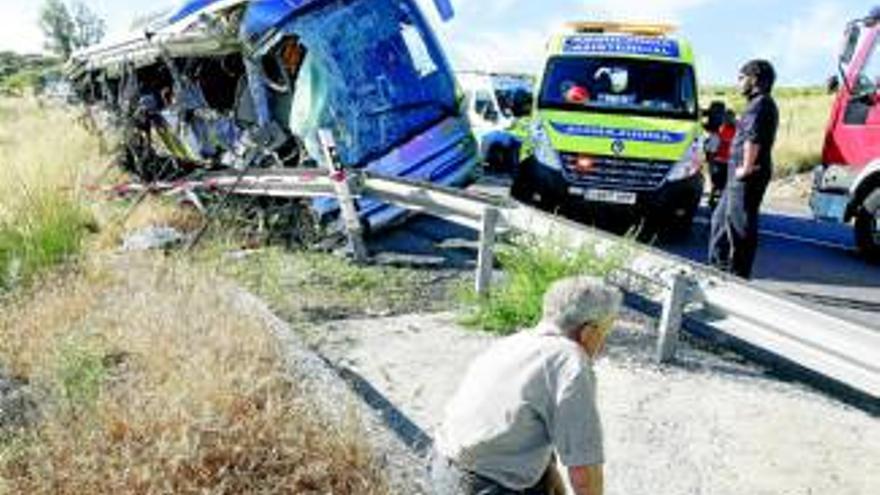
(734, 237)
(531, 396)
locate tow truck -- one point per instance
(846, 186)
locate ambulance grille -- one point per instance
(616, 174)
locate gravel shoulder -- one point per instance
(705, 425)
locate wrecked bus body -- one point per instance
(248, 84)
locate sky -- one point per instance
(799, 36)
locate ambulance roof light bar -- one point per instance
(642, 29)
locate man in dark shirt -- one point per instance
(734, 237)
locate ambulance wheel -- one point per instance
(522, 188)
(680, 228)
(867, 230)
(677, 224)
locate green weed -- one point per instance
(51, 230)
(80, 374)
(44, 217)
(531, 266)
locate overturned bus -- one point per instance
(237, 84)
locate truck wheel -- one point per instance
(868, 230)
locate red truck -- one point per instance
(846, 186)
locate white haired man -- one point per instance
(529, 396)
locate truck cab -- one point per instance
(846, 187)
(615, 129)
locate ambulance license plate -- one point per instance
(608, 196)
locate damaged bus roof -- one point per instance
(192, 29)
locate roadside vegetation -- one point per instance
(803, 115)
(148, 379)
(530, 267)
(20, 74)
(44, 218)
(306, 287)
(136, 373)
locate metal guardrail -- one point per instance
(836, 348)
(832, 347)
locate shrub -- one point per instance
(530, 266)
(44, 218)
(49, 232)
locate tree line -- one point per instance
(67, 27)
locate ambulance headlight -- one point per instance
(689, 165)
(544, 152)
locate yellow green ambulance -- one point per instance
(616, 126)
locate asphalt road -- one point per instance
(798, 257)
(811, 261)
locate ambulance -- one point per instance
(615, 127)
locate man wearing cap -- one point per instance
(531, 398)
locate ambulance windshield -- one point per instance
(620, 86)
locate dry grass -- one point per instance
(801, 132)
(146, 380)
(119, 219)
(149, 385)
(43, 164)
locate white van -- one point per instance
(493, 102)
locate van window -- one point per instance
(620, 86)
(484, 105)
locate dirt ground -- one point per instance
(707, 425)
(791, 193)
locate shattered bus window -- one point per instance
(366, 83)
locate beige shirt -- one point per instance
(527, 395)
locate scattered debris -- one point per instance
(153, 238)
(18, 409)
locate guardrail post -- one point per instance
(670, 321)
(344, 196)
(486, 255)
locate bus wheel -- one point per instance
(868, 228)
